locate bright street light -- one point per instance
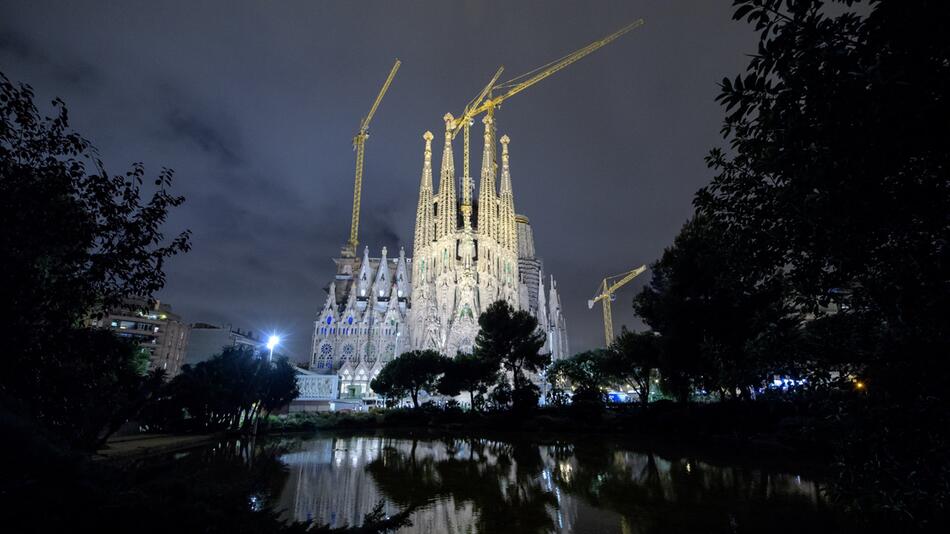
(272, 342)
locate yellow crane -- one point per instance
(486, 103)
(359, 145)
(605, 294)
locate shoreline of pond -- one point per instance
(767, 435)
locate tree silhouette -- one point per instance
(468, 372)
(409, 374)
(512, 339)
(74, 241)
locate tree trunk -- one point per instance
(415, 398)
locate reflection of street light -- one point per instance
(272, 342)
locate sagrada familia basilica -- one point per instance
(467, 253)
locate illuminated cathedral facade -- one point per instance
(467, 253)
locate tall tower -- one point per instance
(425, 228)
(446, 209)
(487, 204)
(471, 258)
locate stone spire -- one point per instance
(382, 283)
(486, 186)
(542, 314)
(554, 301)
(506, 221)
(393, 304)
(425, 225)
(364, 278)
(446, 221)
(402, 271)
(467, 188)
(351, 300)
(330, 305)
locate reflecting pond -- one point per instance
(565, 486)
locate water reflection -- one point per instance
(487, 485)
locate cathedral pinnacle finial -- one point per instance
(449, 121)
(504, 143)
(428, 137)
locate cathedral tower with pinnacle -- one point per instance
(467, 252)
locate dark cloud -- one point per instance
(73, 73)
(188, 127)
(254, 104)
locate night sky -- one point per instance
(255, 103)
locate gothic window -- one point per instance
(347, 350)
(329, 320)
(390, 349)
(326, 350)
(370, 353)
(349, 320)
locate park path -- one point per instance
(152, 444)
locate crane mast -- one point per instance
(359, 145)
(605, 294)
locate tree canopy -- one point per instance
(632, 359)
(230, 391)
(512, 339)
(834, 190)
(74, 241)
(710, 314)
(468, 372)
(409, 374)
(836, 177)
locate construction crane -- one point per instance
(359, 145)
(486, 103)
(605, 294)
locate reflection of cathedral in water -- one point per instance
(479, 485)
(337, 481)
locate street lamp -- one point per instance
(272, 342)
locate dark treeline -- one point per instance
(232, 391)
(818, 253)
(74, 241)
